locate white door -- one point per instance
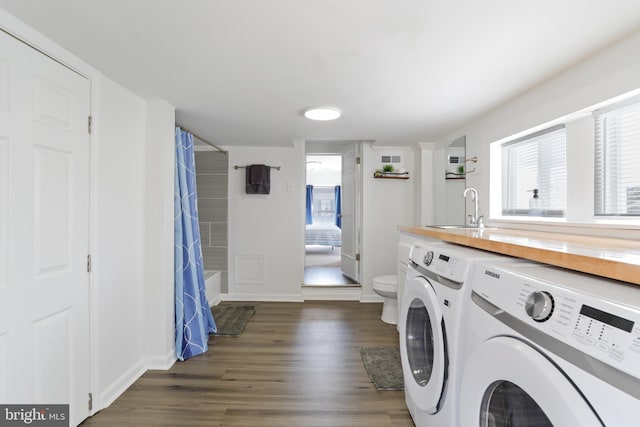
(350, 260)
(507, 382)
(44, 231)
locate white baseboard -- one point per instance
(263, 297)
(120, 385)
(215, 301)
(309, 293)
(321, 293)
(371, 298)
(162, 362)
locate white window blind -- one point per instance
(536, 161)
(617, 159)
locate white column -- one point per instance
(426, 188)
(158, 290)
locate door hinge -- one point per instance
(88, 263)
(357, 257)
(90, 401)
(90, 124)
(358, 160)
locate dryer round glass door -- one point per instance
(507, 382)
(422, 345)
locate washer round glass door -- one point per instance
(422, 345)
(507, 382)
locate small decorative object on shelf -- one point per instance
(389, 172)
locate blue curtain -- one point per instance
(338, 194)
(194, 321)
(309, 204)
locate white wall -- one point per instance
(266, 232)
(327, 174)
(425, 191)
(608, 74)
(158, 289)
(118, 248)
(449, 207)
(387, 203)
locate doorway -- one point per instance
(323, 228)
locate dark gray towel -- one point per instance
(258, 179)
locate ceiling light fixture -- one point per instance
(322, 113)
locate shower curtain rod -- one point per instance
(203, 140)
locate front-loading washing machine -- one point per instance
(550, 347)
(433, 303)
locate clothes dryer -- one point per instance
(549, 347)
(433, 304)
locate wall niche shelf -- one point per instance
(391, 176)
(451, 175)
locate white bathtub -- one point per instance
(212, 286)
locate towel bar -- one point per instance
(244, 167)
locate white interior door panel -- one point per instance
(350, 213)
(44, 230)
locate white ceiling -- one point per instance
(240, 72)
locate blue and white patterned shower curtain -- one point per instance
(194, 321)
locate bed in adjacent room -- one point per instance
(326, 234)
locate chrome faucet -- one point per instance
(474, 220)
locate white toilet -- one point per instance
(387, 287)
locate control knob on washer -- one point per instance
(539, 305)
(428, 258)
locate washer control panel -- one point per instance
(600, 317)
(437, 259)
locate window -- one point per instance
(617, 159)
(324, 205)
(535, 162)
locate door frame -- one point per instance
(337, 148)
(354, 259)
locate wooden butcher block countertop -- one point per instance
(613, 258)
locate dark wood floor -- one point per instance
(326, 276)
(296, 364)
